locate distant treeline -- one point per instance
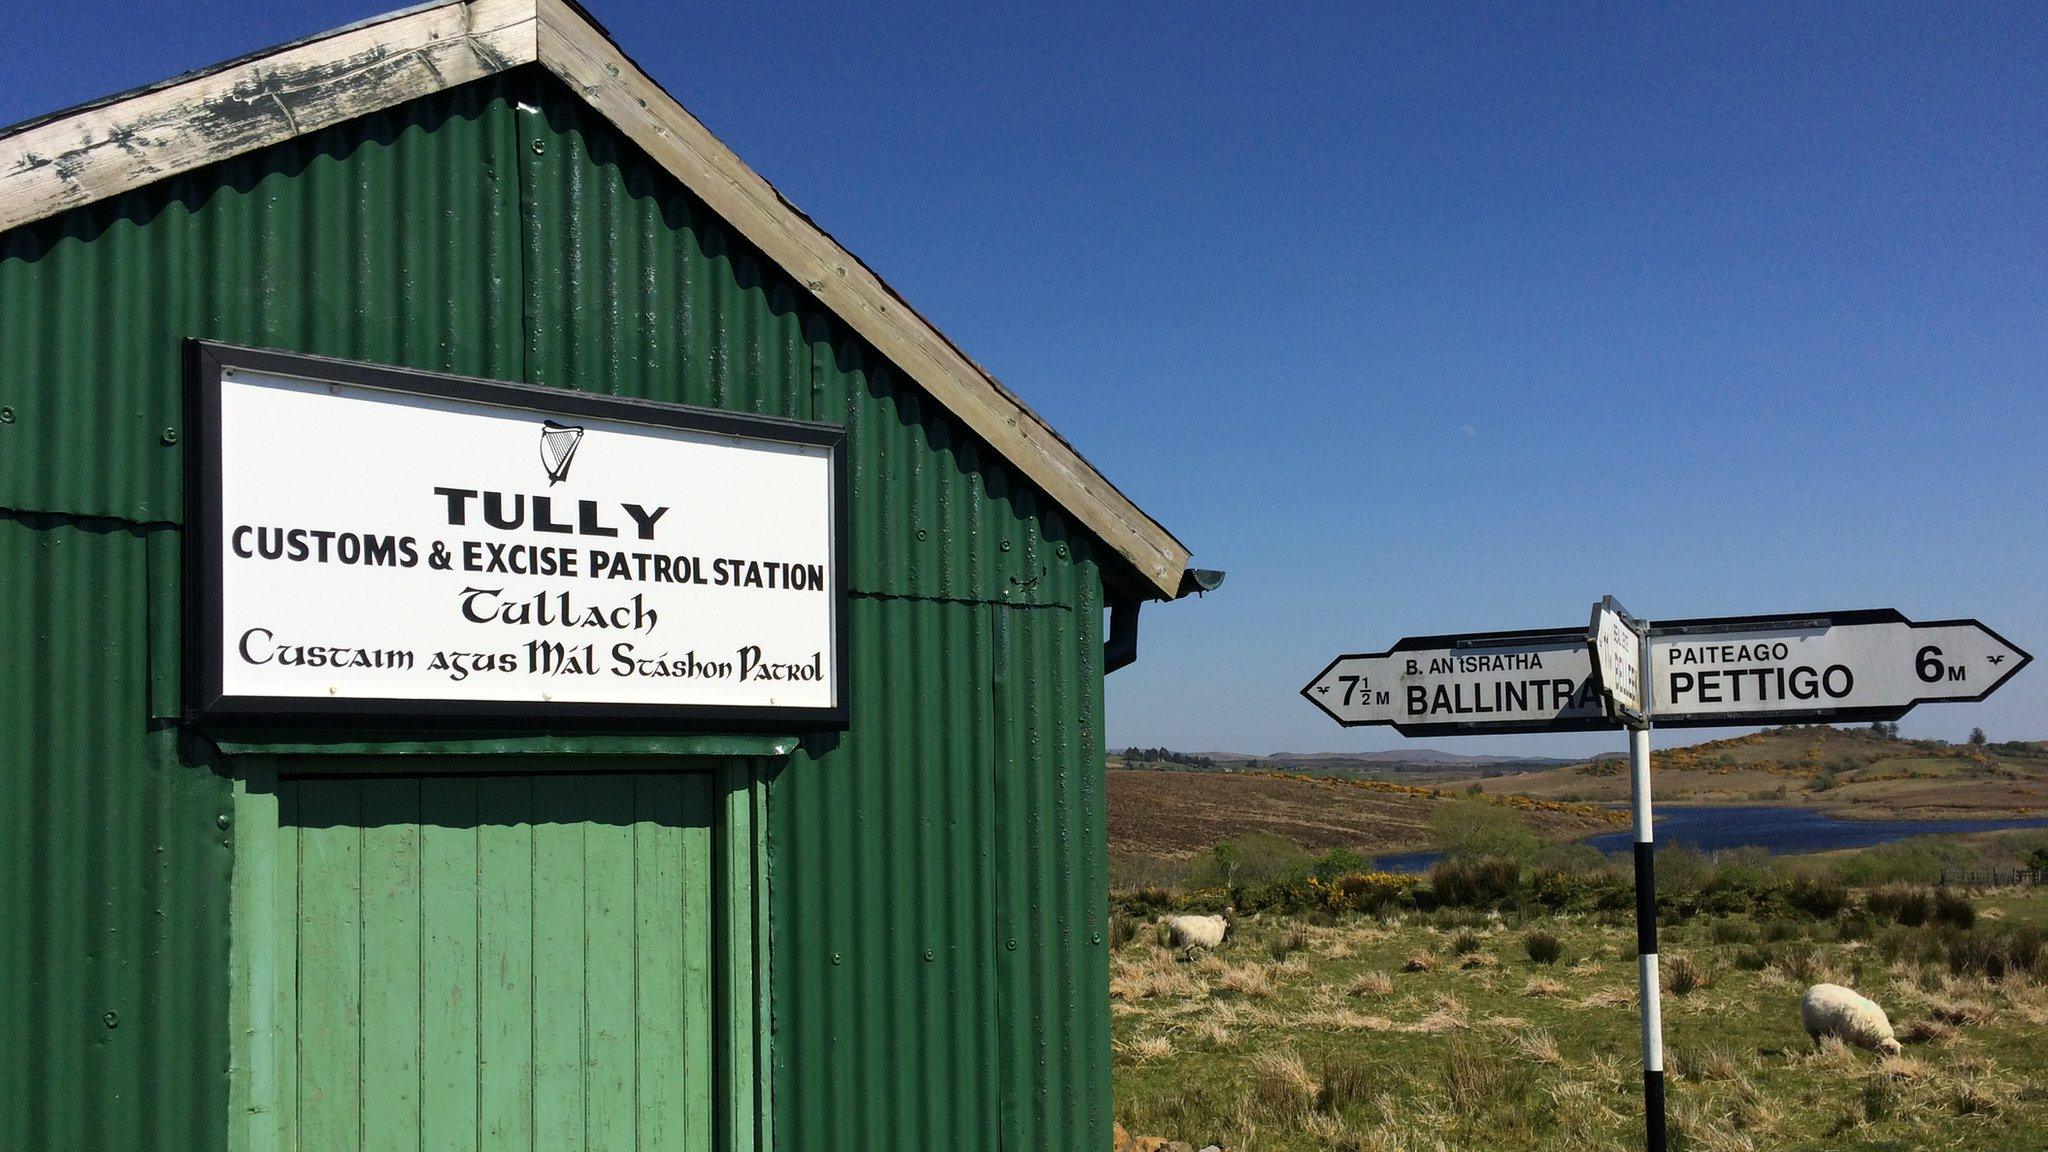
(1137, 755)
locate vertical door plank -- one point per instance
(661, 1053)
(330, 961)
(695, 843)
(558, 972)
(449, 964)
(287, 944)
(505, 963)
(391, 964)
(608, 903)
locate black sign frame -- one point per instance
(206, 703)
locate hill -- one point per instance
(1179, 814)
(1850, 772)
(1412, 766)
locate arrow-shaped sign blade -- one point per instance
(1444, 685)
(1874, 665)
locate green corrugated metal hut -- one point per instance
(886, 933)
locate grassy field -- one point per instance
(1438, 1030)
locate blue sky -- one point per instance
(1420, 319)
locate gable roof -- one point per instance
(105, 148)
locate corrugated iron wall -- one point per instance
(504, 230)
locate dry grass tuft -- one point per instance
(1450, 1015)
(1540, 1046)
(1834, 1055)
(1926, 1031)
(1247, 980)
(1708, 1063)
(1957, 1011)
(1419, 961)
(1684, 976)
(1282, 1086)
(1473, 1077)
(1155, 976)
(1543, 986)
(1904, 1068)
(1150, 1048)
(1607, 998)
(1372, 983)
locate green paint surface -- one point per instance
(504, 230)
(497, 962)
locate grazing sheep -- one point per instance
(1832, 1010)
(1192, 932)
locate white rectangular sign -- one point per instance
(1617, 653)
(380, 543)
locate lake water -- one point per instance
(1716, 828)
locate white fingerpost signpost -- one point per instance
(1838, 667)
(1619, 646)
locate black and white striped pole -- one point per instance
(1646, 936)
(1620, 646)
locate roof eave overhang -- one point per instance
(57, 163)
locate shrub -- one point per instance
(1953, 908)
(1733, 931)
(1899, 903)
(1800, 964)
(1543, 947)
(1779, 931)
(1820, 896)
(1473, 1077)
(1282, 1086)
(1471, 829)
(1753, 959)
(1464, 943)
(1123, 929)
(1683, 976)
(1286, 944)
(1464, 882)
(1995, 956)
(1250, 859)
(1339, 862)
(1343, 1084)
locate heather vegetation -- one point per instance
(1491, 1002)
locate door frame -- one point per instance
(742, 1034)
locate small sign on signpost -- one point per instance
(1617, 651)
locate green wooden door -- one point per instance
(496, 962)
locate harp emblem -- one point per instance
(557, 447)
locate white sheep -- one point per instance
(1832, 1010)
(1192, 932)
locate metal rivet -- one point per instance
(170, 435)
(1005, 546)
(1012, 945)
(835, 958)
(928, 956)
(111, 1020)
(221, 819)
(539, 146)
(1063, 551)
(1096, 938)
(6, 415)
(920, 533)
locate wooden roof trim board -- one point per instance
(71, 159)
